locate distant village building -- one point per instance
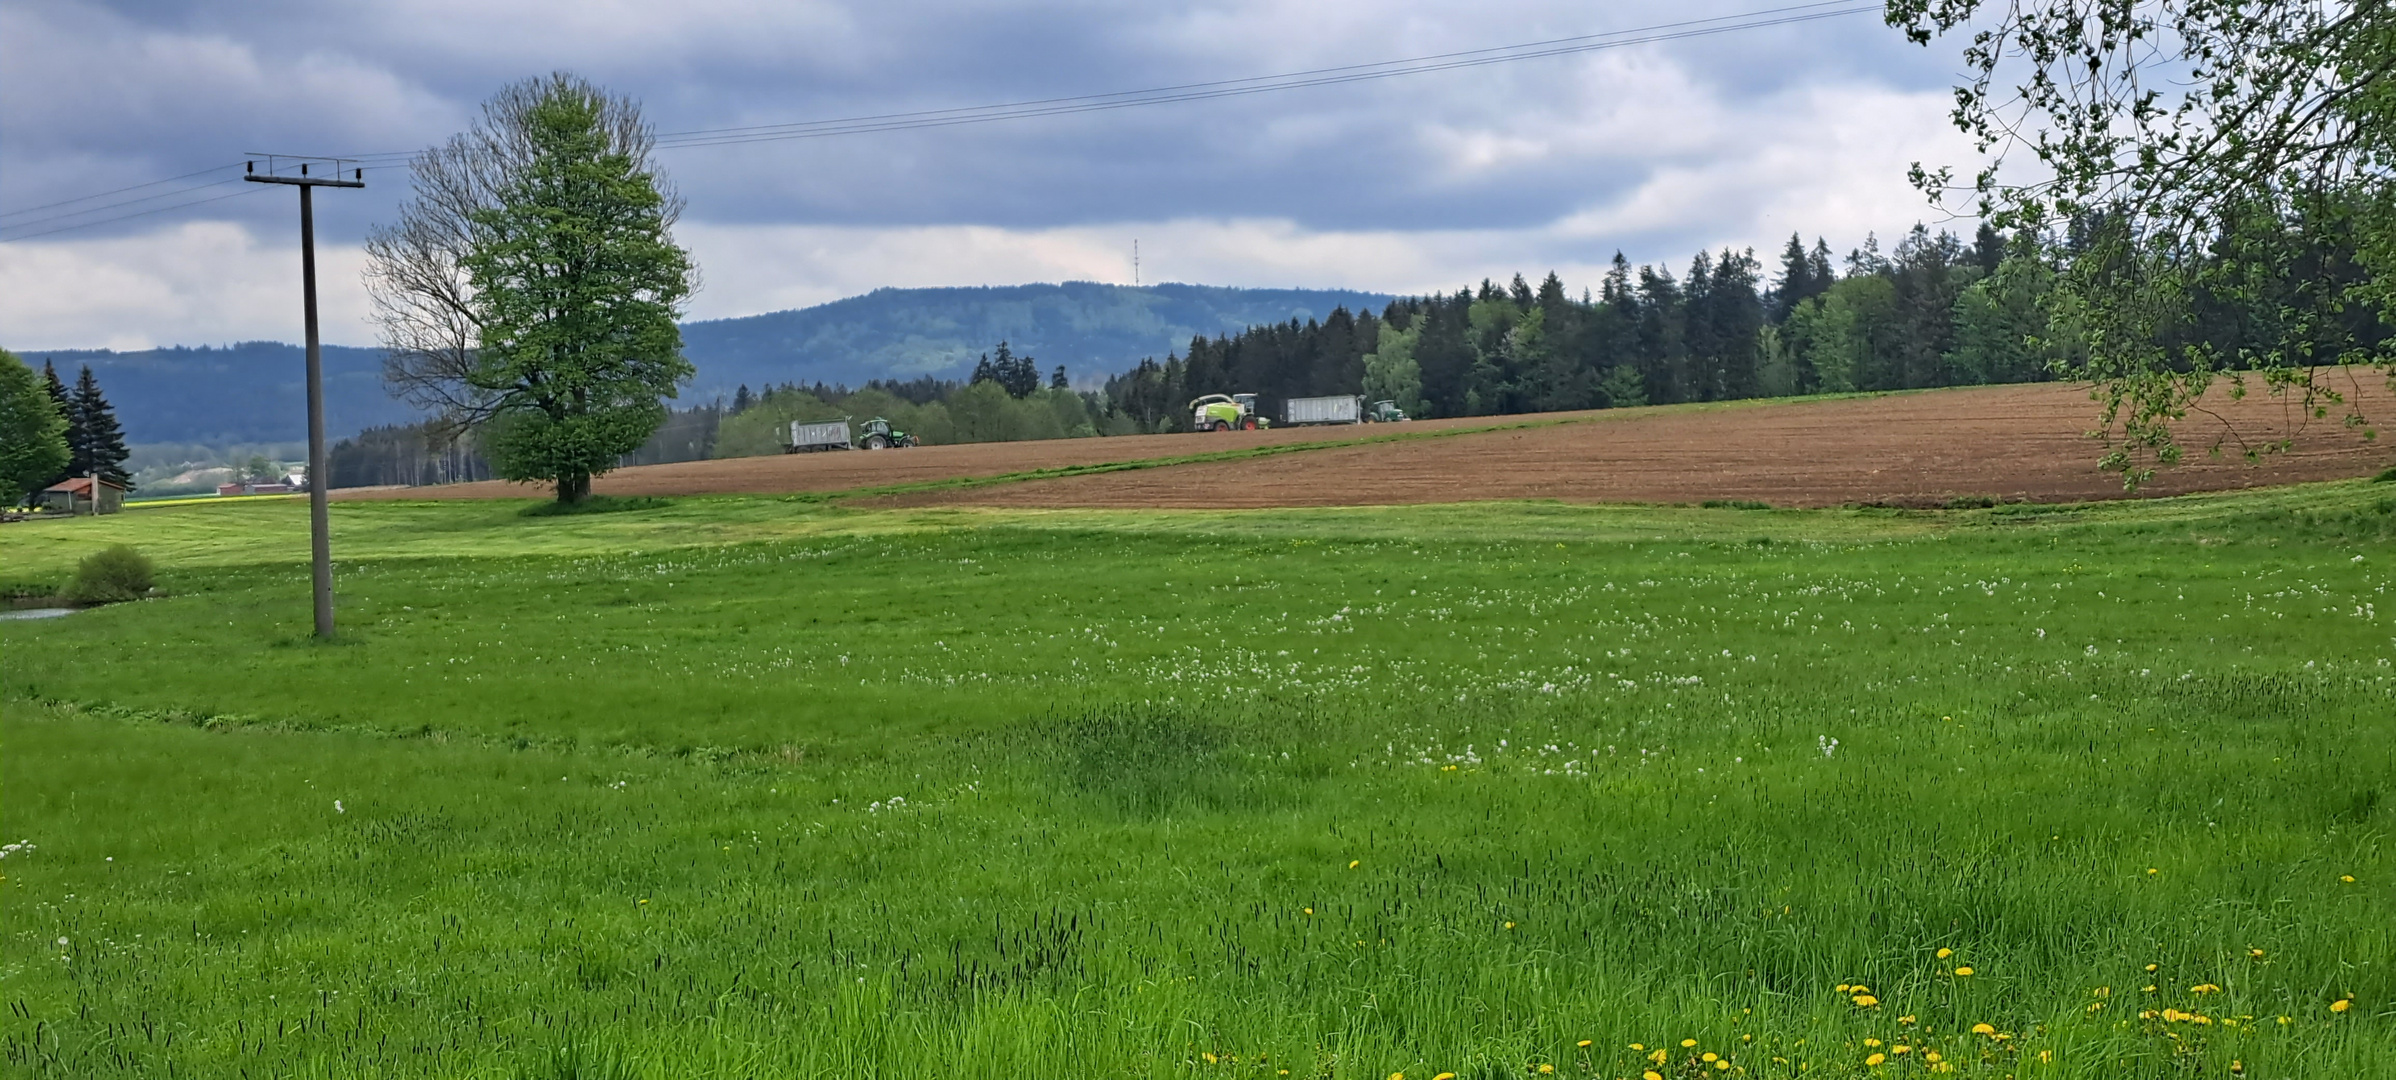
(291, 482)
(75, 496)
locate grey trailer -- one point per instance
(1341, 409)
(820, 435)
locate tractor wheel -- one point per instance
(1249, 424)
(877, 442)
(1222, 425)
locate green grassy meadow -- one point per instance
(748, 787)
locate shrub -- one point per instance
(118, 573)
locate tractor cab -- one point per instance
(877, 434)
(1385, 412)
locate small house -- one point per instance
(75, 496)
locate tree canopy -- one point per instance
(2195, 152)
(33, 432)
(532, 286)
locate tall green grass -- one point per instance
(1345, 794)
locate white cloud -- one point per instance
(190, 284)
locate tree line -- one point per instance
(51, 433)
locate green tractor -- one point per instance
(1223, 412)
(1384, 412)
(877, 434)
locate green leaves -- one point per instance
(577, 285)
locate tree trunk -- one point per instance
(572, 490)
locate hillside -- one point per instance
(1090, 328)
(252, 392)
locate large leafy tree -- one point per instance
(2197, 152)
(33, 431)
(532, 285)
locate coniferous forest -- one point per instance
(1934, 311)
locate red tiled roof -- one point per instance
(81, 485)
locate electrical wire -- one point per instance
(1043, 107)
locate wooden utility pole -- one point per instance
(320, 540)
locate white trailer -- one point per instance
(1339, 409)
(820, 435)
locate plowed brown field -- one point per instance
(2009, 442)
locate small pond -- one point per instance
(37, 613)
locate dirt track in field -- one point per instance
(2009, 442)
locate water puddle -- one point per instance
(37, 613)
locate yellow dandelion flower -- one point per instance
(1984, 1029)
(2204, 988)
(1210, 1058)
(1445, 1076)
(2256, 953)
(1634, 1046)
(1900, 1048)
(1509, 925)
(1945, 953)
(2046, 1055)
(1354, 863)
(2341, 1005)
(1659, 1056)
(1930, 1055)
(1397, 1076)
(2153, 870)
(1942, 1067)
(1584, 1044)
(2148, 988)
(1651, 1074)
(1865, 1001)
(1859, 988)
(1965, 971)
(1544, 1069)
(1686, 1043)
(1876, 1059)
(1722, 1065)
(2347, 878)
(1871, 1042)
(1842, 988)
(1905, 1019)
(1710, 1057)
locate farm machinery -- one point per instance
(1223, 412)
(1384, 412)
(875, 434)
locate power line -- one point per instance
(1064, 106)
(135, 214)
(117, 191)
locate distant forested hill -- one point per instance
(1092, 329)
(252, 392)
(249, 392)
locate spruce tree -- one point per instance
(1796, 280)
(65, 404)
(96, 443)
(1057, 380)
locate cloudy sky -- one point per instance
(1406, 184)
